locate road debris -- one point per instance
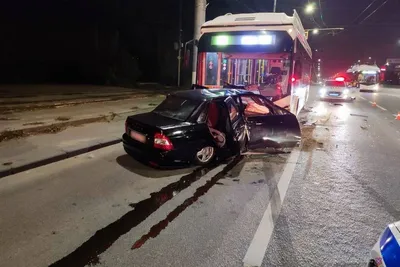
(62, 118)
(33, 123)
(358, 115)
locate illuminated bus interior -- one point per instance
(264, 70)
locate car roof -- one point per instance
(208, 94)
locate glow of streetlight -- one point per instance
(315, 31)
(369, 58)
(310, 8)
(319, 60)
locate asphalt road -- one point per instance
(324, 205)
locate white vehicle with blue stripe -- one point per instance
(337, 90)
(386, 252)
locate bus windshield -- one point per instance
(368, 78)
(252, 59)
(219, 69)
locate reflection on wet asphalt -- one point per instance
(89, 251)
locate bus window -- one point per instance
(211, 73)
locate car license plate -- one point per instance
(334, 94)
(138, 136)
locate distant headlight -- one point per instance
(345, 91)
(322, 91)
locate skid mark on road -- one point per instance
(88, 253)
(156, 229)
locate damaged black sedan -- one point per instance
(196, 126)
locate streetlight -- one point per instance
(370, 58)
(315, 31)
(319, 60)
(310, 8)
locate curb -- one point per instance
(56, 158)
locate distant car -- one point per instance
(386, 252)
(336, 89)
(194, 126)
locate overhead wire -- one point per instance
(321, 13)
(312, 17)
(245, 5)
(373, 12)
(365, 9)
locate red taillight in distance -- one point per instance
(339, 79)
(293, 79)
(162, 142)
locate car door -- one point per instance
(270, 126)
(238, 124)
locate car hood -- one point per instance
(157, 120)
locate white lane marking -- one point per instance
(378, 106)
(381, 108)
(258, 246)
(363, 98)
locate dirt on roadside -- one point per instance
(53, 128)
(307, 138)
(14, 108)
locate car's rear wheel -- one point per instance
(205, 155)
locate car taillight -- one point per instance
(162, 142)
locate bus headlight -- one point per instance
(346, 91)
(376, 87)
(322, 91)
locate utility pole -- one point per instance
(180, 44)
(275, 6)
(199, 18)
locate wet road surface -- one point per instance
(105, 209)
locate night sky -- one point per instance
(376, 37)
(122, 41)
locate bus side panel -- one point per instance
(300, 85)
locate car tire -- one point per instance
(205, 155)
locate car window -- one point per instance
(255, 106)
(203, 114)
(335, 84)
(233, 110)
(177, 108)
